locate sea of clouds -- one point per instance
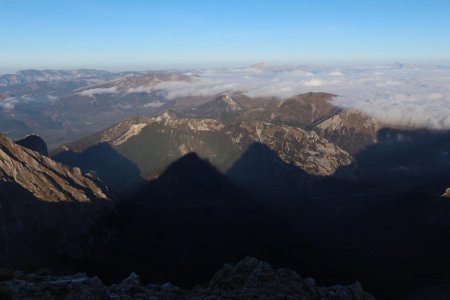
(397, 94)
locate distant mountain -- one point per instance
(141, 83)
(49, 211)
(306, 131)
(348, 128)
(65, 105)
(153, 143)
(69, 104)
(33, 76)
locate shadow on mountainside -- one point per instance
(40, 234)
(263, 173)
(386, 225)
(391, 229)
(377, 227)
(402, 159)
(191, 219)
(120, 174)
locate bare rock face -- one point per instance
(352, 130)
(304, 149)
(47, 210)
(249, 279)
(46, 179)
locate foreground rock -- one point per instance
(249, 279)
(48, 211)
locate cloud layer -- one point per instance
(396, 94)
(408, 95)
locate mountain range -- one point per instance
(135, 180)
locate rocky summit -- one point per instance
(248, 279)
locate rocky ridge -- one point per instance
(248, 279)
(46, 179)
(142, 83)
(32, 76)
(220, 142)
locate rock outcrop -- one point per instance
(48, 211)
(249, 279)
(46, 179)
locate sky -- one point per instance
(138, 34)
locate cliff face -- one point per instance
(48, 210)
(46, 179)
(248, 279)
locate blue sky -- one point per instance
(141, 34)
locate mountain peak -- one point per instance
(35, 143)
(231, 104)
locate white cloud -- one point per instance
(12, 102)
(9, 103)
(396, 94)
(98, 91)
(153, 104)
(313, 82)
(140, 89)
